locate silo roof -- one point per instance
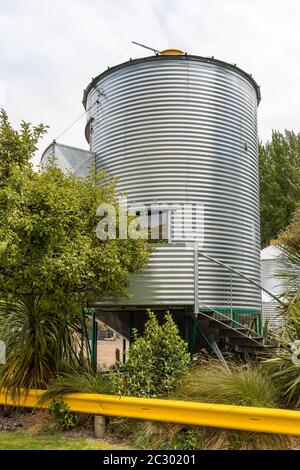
(210, 60)
(270, 252)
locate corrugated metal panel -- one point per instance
(168, 279)
(184, 131)
(270, 268)
(271, 314)
(73, 159)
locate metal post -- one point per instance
(231, 293)
(169, 226)
(186, 329)
(86, 335)
(194, 336)
(258, 325)
(235, 320)
(196, 297)
(196, 279)
(94, 340)
(131, 326)
(124, 350)
(82, 336)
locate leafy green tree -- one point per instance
(50, 255)
(48, 240)
(156, 361)
(17, 147)
(279, 182)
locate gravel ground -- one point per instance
(12, 422)
(38, 421)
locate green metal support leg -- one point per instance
(194, 335)
(94, 340)
(258, 325)
(82, 336)
(131, 326)
(124, 350)
(235, 320)
(187, 330)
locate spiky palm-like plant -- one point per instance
(283, 362)
(38, 340)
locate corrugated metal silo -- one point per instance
(182, 129)
(270, 268)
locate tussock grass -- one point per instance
(244, 384)
(78, 381)
(149, 435)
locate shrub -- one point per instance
(63, 415)
(156, 361)
(151, 435)
(188, 438)
(245, 384)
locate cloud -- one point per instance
(51, 50)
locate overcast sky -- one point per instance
(50, 49)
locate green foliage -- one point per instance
(244, 385)
(49, 243)
(38, 340)
(17, 147)
(166, 436)
(239, 440)
(189, 438)
(61, 412)
(156, 361)
(289, 242)
(279, 162)
(51, 260)
(48, 240)
(79, 380)
(280, 364)
(248, 385)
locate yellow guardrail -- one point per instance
(269, 420)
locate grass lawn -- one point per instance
(58, 441)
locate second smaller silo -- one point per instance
(271, 266)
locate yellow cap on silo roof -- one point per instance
(171, 52)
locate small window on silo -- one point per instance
(157, 224)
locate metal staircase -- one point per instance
(240, 337)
